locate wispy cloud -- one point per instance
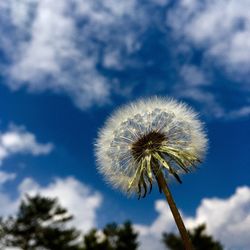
(5, 177)
(193, 76)
(208, 104)
(242, 112)
(87, 49)
(58, 46)
(220, 32)
(222, 28)
(161, 2)
(17, 140)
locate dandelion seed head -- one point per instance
(146, 136)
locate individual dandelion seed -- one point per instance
(147, 141)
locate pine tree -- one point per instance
(92, 242)
(200, 240)
(110, 232)
(39, 224)
(127, 238)
(114, 237)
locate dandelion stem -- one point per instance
(177, 217)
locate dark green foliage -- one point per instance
(127, 238)
(200, 240)
(40, 223)
(114, 238)
(111, 235)
(91, 242)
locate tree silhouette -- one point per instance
(110, 232)
(92, 242)
(39, 224)
(127, 238)
(113, 237)
(200, 240)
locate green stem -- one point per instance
(177, 217)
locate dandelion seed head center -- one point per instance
(147, 144)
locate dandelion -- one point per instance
(150, 141)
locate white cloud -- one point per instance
(10, 205)
(220, 31)
(207, 101)
(51, 52)
(193, 76)
(151, 235)
(56, 45)
(161, 2)
(13, 248)
(241, 112)
(4, 177)
(222, 28)
(66, 46)
(228, 220)
(17, 140)
(72, 194)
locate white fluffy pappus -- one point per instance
(147, 136)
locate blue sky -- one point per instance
(65, 66)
